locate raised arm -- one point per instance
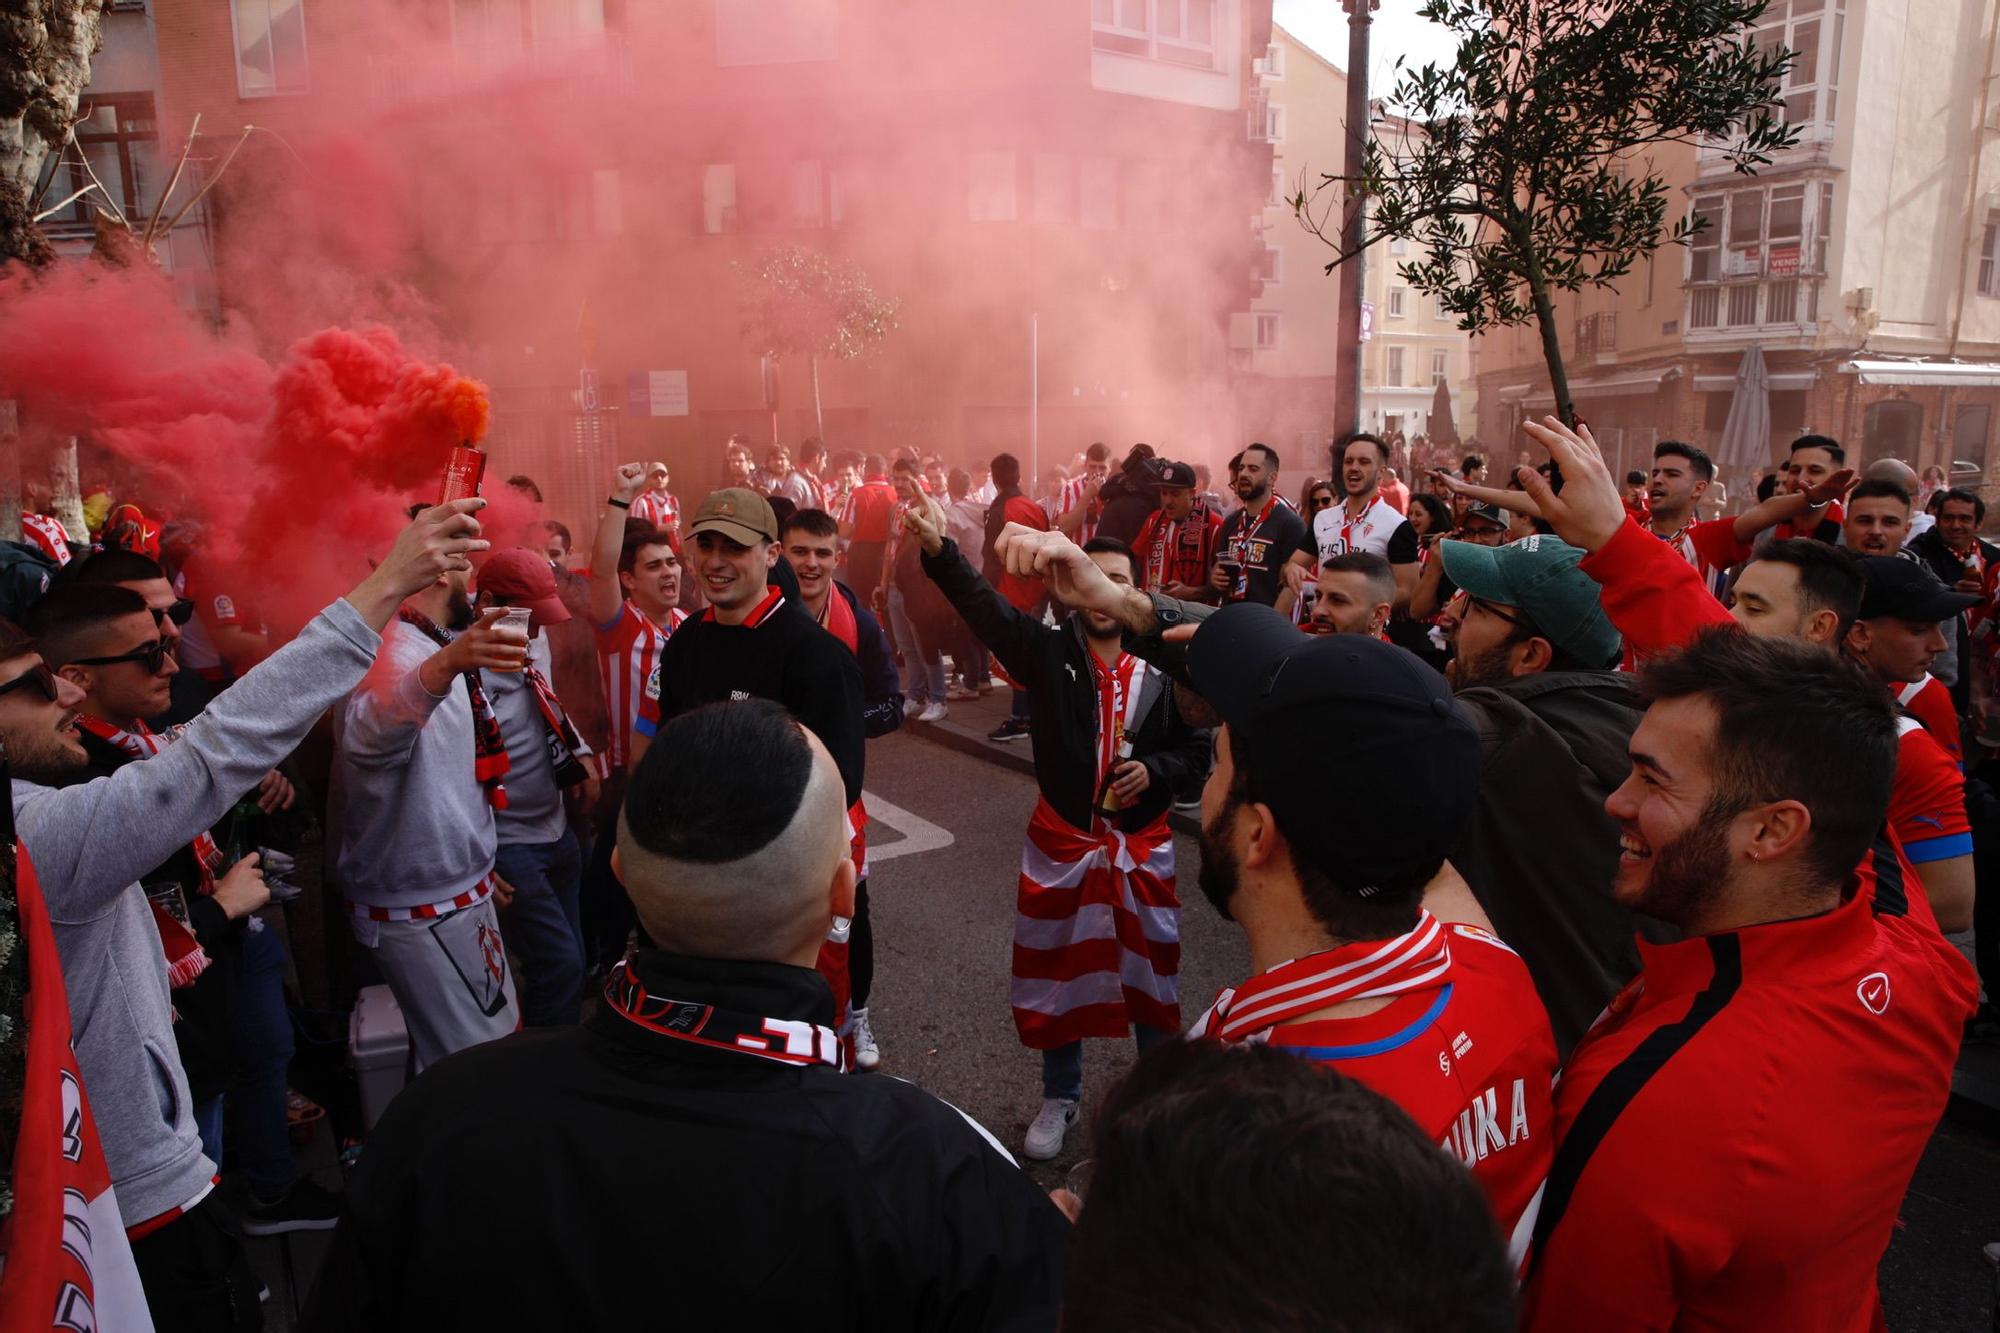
(1516, 502)
(1792, 507)
(606, 596)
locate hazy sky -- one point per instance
(1396, 31)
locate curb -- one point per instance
(1021, 760)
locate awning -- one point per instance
(1943, 374)
(1787, 382)
(1607, 386)
(1513, 392)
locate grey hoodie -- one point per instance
(91, 843)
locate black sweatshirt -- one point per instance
(1053, 665)
(780, 654)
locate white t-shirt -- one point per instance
(1381, 529)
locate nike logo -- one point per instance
(1873, 992)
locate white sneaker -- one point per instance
(1045, 1136)
(934, 712)
(867, 1055)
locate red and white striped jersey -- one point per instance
(628, 658)
(659, 508)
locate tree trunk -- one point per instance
(1545, 320)
(45, 51)
(819, 416)
(65, 494)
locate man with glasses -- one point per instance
(92, 840)
(226, 970)
(171, 611)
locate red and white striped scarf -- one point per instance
(489, 752)
(186, 959)
(1369, 969)
(1118, 689)
(790, 1041)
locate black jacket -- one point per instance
(783, 656)
(1929, 549)
(881, 687)
(611, 1177)
(1541, 852)
(1053, 666)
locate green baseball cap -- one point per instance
(1539, 576)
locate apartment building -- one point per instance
(1059, 195)
(1864, 263)
(1287, 341)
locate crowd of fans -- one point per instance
(1593, 849)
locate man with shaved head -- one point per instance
(693, 1148)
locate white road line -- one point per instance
(919, 834)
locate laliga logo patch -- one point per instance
(225, 609)
(653, 682)
(1873, 992)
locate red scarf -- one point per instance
(561, 735)
(838, 619)
(186, 959)
(1369, 969)
(791, 1041)
(1239, 548)
(1117, 701)
(489, 750)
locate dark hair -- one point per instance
(1313, 1201)
(1381, 578)
(812, 446)
(1389, 911)
(1830, 577)
(720, 782)
(638, 536)
(1767, 486)
(14, 641)
(1435, 506)
(1635, 477)
(1878, 488)
(812, 522)
(874, 464)
(958, 479)
(525, 484)
(1098, 452)
(1315, 484)
(1267, 451)
(1703, 465)
(1006, 470)
(1792, 722)
(1340, 448)
(908, 465)
(1826, 442)
(782, 508)
(1960, 495)
(1111, 546)
(1235, 461)
(736, 438)
(848, 458)
(1469, 462)
(111, 566)
(555, 529)
(65, 620)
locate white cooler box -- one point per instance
(378, 1047)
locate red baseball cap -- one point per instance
(521, 577)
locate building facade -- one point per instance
(1058, 196)
(1864, 263)
(1287, 341)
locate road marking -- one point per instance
(919, 834)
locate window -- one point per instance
(1274, 123)
(1814, 36)
(1055, 188)
(1398, 246)
(501, 32)
(270, 46)
(1180, 32)
(1440, 365)
(1742, 305)
(1394, 378)
(118, 138)
(1270, 266)
(718, 198)
(1277, 187)
(1436, 308)
(1397, 297)
(808, 193)
(1272, 64)
(1100, 193)
(1778, 233)
(1267, 333)
(990, 196)
(1704, 307)
(1989, 257)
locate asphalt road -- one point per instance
(943, 929)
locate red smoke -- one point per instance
(296, 474)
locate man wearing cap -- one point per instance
(656, 504)
(1326, 865)
(757, 641)
(547, 757)
(1176, 545)
(1788, 593)
(1097, 920)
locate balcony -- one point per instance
(1597, 338)
(1780, 306)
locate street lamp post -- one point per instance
(1347, 395)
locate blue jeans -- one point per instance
(1062, 1067)
(260, 1048)
(543, 928)
(923, 663)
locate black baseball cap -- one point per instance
(1908, 591)
(1491, 513)
(1369, 765)
(1177, 474)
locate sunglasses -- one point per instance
(153, 657)
(180, 612)
(38, 675)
